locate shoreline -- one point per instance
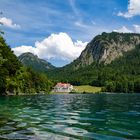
(77, 93)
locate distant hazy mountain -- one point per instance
(30, 60)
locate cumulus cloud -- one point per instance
(22, 49)
(8, 22)
(123, 29)
(56, 46)
(133, 9)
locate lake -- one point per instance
(70, 117)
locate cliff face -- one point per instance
(107, 47)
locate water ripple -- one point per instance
(70, 117)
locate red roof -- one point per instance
(63, 84)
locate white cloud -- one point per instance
(56, 46)
(8, 22)
(74, 8)
(136, 28)
(80, 24)
(133, 9)
(123, 29)
(22, 49)
(93, 22)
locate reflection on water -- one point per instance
(96, 116)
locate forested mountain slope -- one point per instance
(110, 60)
(30, 60)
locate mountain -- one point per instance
(110, 60)
(107, 47)
(30, 60)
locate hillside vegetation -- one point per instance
(30, 60)
(15, 78)
(97, 66)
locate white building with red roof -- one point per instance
(63, 87)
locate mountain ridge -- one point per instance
(121, 74)
(30, 60)
(102, 49)
(110, 60)
(105, 48)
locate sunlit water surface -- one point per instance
(85, 116)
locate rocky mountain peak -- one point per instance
(107, 47)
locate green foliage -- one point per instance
(15, 79)
(1, 59)
(122, 75)
(12, 64)
(28, 81)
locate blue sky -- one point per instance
(39, 23)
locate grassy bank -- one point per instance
(87, 88)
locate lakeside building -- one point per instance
(63, 87)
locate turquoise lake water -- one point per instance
(72, 116)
